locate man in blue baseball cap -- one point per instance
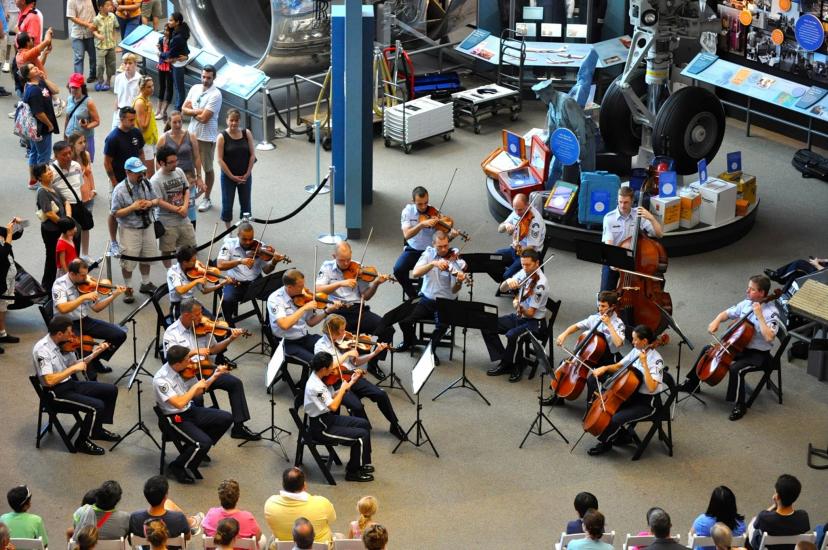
(133, 201)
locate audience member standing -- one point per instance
(13, 230)
(165, 78)
(65, 250)
(29, 52)
(170, 186)
(51, 207)
(80, 155)
(145, 121)
(129, 16)
(21, 523)
(105, 24)
(82, 13)
(177, 55)
(236, 155)
(151, 12)
(29, 20)
(12, 13)
(203, 104)
(185, 145)
(67, 179)
(122, 143)
(125, 86)
(38, 94)
(132, 204)
(82, 115)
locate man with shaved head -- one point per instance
(340, 278)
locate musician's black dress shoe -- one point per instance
(358, 475)
(88, 448)
(398, 432)
(378, 373)
(180, 474)
(222, 360)
(773, 276)
(499, 370)
(600, 449)
(737, 412)
(103, 369)
(367, 469)
(552, 400)
(196, 473)
(243, 432)
(517, 374)
(105, 435)
(403, 346)
(206, 460)
(689, 386)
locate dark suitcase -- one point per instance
(811, 164)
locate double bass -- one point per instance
(616, 390)
(714, 362)
(641, 293)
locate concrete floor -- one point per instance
(482, 491)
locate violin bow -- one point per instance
(336, 351)
(98, 282)
(212, 332)
(261, 240)
(529, 277)
(315, 268)
(364, 252)
(590, 369)
(359, 323)
(445, 195)
(210, 250)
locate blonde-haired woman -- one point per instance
(145, 121)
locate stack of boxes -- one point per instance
(745, 190)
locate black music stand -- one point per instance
(467, 315)
(137, 366)
(684, 340)
(491, 264)
(605, 254)
(419, 376)
(274, 368)
(139, 425)
(260, 290)
(391, 318)
(540, 417)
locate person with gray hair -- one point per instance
(660, 524)
(302, 534)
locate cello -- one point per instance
(616, 390)
(714, 362)
(640, 293)
(570, 377)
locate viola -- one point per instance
(714, 362)
(211, 274)
(444, 223)
(639, 295)
(366, 273)
(74, 344)
(307, 296)
(571, 375)
(337, 375)
(104, 287)
(265, 252)
(616, 390)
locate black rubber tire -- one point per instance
(621, 135)
(689, 127)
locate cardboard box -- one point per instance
(531, 177)
(718, 204)
(667, 211)
(690, 206)
(745, 184)
(510, 156)
(742, 207)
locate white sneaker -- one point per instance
(11, 115)
(205, 205)
(115, 249)
(6, 67)
(195, 527)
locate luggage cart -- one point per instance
(396, 127)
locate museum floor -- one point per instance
(482, 491)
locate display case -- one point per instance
(558, 20)
(510, 156)
(531, 177)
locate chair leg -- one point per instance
(765, 381)
(779, 382)
(322, 465)
(163, 465)
(40, 432)
(646, 441)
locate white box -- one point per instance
(667, 210)
(718, 202)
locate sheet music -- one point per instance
(275, 364)
(422, 370)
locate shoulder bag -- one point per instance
(80, 212)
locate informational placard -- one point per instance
(702, 170)
(734, 161)
(565, 146)
(667, 184)
(810, 33)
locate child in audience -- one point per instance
(594, 528)
(226, 532)
(65, 249)
(721, 509)
(367, 507)
(583, 502)
(86, 538)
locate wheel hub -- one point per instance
(700, 135)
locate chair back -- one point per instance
(162, 291)
(27, 544)
(42, 393)
(697, 541)
(772, 540)
(47, 311)
(112, 544)
(288, 545)
(642, 540)
(172, 542)
(349, 544)
(566, 538)
(248, 543)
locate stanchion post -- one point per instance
(331, 237)
(264, 145)
(317, 131)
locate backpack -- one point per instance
(811, 164)
(25, 124)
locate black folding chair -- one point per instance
(48, 406)
(661, 416)
(552, 309)
(305, 439)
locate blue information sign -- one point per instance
(702, 170)
(667, 184)
(734, 161)
(809, 32)
(565, 146)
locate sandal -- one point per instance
(129, 296)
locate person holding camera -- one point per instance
(132, 202)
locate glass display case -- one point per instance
(558, 20)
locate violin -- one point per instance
(74, 344)
(349, 341)
(366, 273)
(218, 328)
(570, 377)
(642, 296)
(444, 223)
(451, 258)
(616, 390)
(201, 367)
(714, 362)
(307, 296)
(211, 274)
(521, 231)
(265, 252)
(104, 287)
